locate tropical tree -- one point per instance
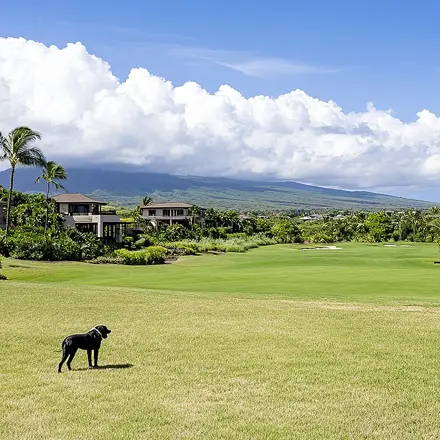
(147, 200)
(17, 148)
(286, 231)
(212, 217)
(194, 211)
(414, 217)
(51, 173)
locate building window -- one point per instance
(152, 212)
(178, 212)
(87, 227)
(79, 209)
(111, 231)
(166, 213)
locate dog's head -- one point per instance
(103, 330)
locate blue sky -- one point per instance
(351, 52)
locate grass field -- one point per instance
(276, 343)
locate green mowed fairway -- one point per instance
(358, 272)
(276, 343)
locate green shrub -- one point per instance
(128, 242)
(235, 243)
(71, 245)
(182, 247)
(139, 244)
(419, 237)
(107, 259)
(156, 255)
(150, 255)
(131, 257)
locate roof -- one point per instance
(168, 205)
(76, 198)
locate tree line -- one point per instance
(18, 148)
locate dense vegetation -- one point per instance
(382, 226)
(38, 232)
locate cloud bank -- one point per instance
(87, 115)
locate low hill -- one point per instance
(127, 188)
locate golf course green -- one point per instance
(275, 343)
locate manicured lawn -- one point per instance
(273, 344)
(358, 271)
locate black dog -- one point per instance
(85, 341)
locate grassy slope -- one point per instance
(268, 198)
(206, 365)
(127, 189)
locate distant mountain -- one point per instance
(127, 189)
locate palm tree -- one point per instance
(147, 200)
(51, 173)
(211, 217)
(18, 149)
(413, 216)
(194, 211)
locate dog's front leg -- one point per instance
(96, 357)
(89, 356)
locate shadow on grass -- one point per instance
(106, 367)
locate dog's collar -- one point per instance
(96, 330)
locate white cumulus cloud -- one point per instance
(87, 114)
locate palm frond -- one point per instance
(58, 185)
(21, 138)
(18, 149)
(55, 171)
(4, 148)
(32, 156)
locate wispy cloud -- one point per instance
(249, 63)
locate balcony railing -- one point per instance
(108, 212)
(77, 213)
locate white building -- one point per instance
(86, 215)
(169, 212)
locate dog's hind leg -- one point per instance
(65, 356)
(71, 356)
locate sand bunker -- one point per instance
(321, 248)
(397, 245)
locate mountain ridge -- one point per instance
(127, 188)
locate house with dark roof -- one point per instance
(87, 215)
(170, 212)
(3, 214)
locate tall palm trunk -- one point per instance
(8, 206)
(47, 208)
